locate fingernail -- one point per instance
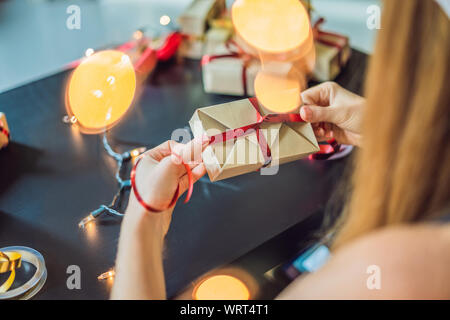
(305, 113)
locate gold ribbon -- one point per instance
(9, 262)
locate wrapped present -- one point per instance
(4, 131)
(245, 137)
(194, 22)
(332, 53)
(215, 40)
(191, 47)
(223, 22)
(226, 68)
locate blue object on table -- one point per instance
(310, 260)
(313, 259)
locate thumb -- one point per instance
(315, 114)
(190, 153)
(171, 168)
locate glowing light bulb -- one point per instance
(101, 90)
(137, 34)
(86, 220)
(107, 275)
(164, 20)
(221, 287)
(134, 153)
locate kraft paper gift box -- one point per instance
(232, 157)
(332, 54)
(194, 20)
(226, 69)
(4, 131)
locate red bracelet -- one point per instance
(177, 192)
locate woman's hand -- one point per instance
(139, 263)
(334, 113)
(159, 174)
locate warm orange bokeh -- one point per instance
(272, 26)
(101, 90)
(278, 93)
(221, 287)
(279, 33)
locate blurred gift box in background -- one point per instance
(35, 40)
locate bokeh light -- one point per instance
(279, 93)
(272, 26)
(101, 90)
(89, 52)
(164, 20)
(221, 287)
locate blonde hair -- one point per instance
(402, 172)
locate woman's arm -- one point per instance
(139, 267)
(408, 262)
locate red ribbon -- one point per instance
(170, 46)
(318, 36)
(177, 191)
(255, 127)
(328, 149)
(237, 53)
(331, 147)
(150, 56)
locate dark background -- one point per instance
(51, 177)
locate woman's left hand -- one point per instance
(160, 172)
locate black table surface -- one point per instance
(51, 177)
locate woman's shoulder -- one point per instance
(401, 262)
(412, 261)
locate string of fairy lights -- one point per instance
(124, 185)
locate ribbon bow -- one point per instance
(235, 52)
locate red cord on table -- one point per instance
(326, 150)
(177, 191)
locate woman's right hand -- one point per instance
(334, 112)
